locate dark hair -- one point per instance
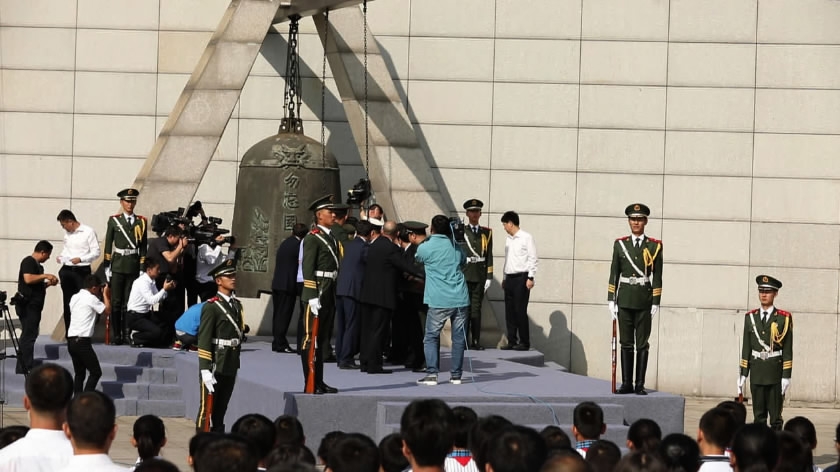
(327, 443)
(483, 431)
(231, 452)
(10, 434)
(376, 206)
(149, 432)
(511, 216)
(257, 430)
(201, 440)
(517, 449)
(603, 456)
(638, 461)
(589, 420)
(363, 228)
(289, 430)
(44, 246)
(173, 230)
(738, 410)
(426, 427)
(390, 454)
(150, 263)
(91, 281)
(300, 230)
(354, 452)
(49, 388)
(718, 427)
(565, 460)
(66, 215)
(290, 453)
(804, 428)
(555, 438)
(156, 465)
(402, 232)
(465, 419)
(292, 467)
(440, 225)
(756, 447)
(645, 435)
(91, 418)
(680, 453)
(794, 454)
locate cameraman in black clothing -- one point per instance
(169, 250)
(32, 287)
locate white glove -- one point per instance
(486, 284)
(314, 305)
(141, 273)
(654, 309)
(208, 379)
(741, 381)
(614, 311)
(785, 385)
(107, 274)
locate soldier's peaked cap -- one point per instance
(473, 204)
(129, 194)
(637, 210)
(415, 226)
(225, 268)
(765, 282)
(327, 201)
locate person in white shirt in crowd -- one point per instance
(520, 269)
(717, 428)
(81, 247)
(146, 328)
(85, 308)
(91, 428)
(208, 256)
(45, 448)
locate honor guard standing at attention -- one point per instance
(220, 334)
(478, 270)
(320, 269)
(634, 290)
(125, 252)
(767, 353)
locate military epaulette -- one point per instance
(213, 300)
(751, 312)
(315, 231)
(653, 240)
(783, 312)
(116, 216)
(485, 227)
(623, 238)
(141, 217)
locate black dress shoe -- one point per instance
(379, 371)
(624, 389)
(348, 366)
(477, 347)
(324, 388)
(640, 390)
(417, 368)
(521, 347)
(286, 350)
(330, 358)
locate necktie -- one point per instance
(638, 242)
(764, 317)
(475, 229)
(131, 220)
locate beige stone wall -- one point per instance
(721, 115)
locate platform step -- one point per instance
(120, 355)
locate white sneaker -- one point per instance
(455, 380)
(430, 379)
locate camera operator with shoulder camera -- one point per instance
(169, 251)
(29, 301)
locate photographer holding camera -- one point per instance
(29, 301)
(169, 251)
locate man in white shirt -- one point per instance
(91, 428)
(146, 329)
(520, 269)
(81, 247)
(45, 448)
(717, 427)
(207, 257)
(85, 307)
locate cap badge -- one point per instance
(637, 207)
(765, 279)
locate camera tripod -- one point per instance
(9, 334)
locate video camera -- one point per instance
(205, 232)
(359, 193)
(165, 219)
(457, 228)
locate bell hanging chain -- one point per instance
(324, 89)
(367, 119)
(292, 93)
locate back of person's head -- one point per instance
(65, 215)
(516, 449)
(440, 225)
(717, 427)
(289, 430)
(258, 430)
(589, 420)
(465, 419)
(363, 228)
(150, 263)
(226, 454)
(804, 428)
(148, 436)
(738, 410)
(91, 281)
(483, 431)
(327, 443)
(511, 216)
(566, 460)
(426, 427)
(49, 388)
(755, 448)
(91, 420)
(290, 453)
(156, 465)
(391, 457)
(639, 461)
(199, 442)
(402, 232)
(644, 435)
(174, 230)
(603, 456)
(299, 230)
(794, 454)
(555, 438)
(10, 434)
(43, 246)
(353, 452)
(293, 467)
(680, 453)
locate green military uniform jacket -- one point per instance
(775, 340)
(321, 253)
(636, 274)
(119, 237)
(479, 251)
(220, 333)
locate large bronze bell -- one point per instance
(278, 178)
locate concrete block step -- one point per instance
(518, 412)
(142, 391)
(126, 373)
(120, 355)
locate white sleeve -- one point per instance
(150, 293)
(97, 306)
(93, 248)
(532, 257)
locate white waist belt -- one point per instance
(226, 342)
(126, 252)
(633, 280)
(474, 259)
(326, 275)
(764, 355)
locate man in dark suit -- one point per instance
(411, 302)
(347, 294)
(384, 267)
(284, 287)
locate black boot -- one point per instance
(641, 368)
(116, 329)
(626, 372)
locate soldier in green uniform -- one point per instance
(220, 335)
(125, 252)
(634, 290)
(767, 353)
(478, 271)
(321, 256)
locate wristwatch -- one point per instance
(531, 279)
